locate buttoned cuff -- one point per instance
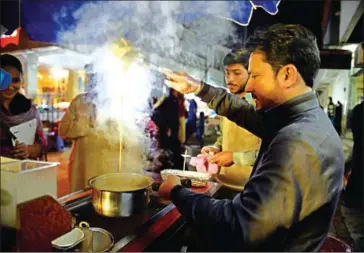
(204, 93)
(174, 192)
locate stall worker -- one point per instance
(236, 148)
(291, 197)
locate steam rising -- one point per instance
(159, 29)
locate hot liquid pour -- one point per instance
(120, 144)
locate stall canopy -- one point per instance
(43, 20)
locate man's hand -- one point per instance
(167, 186)
(181, 82)
(20, 150)
(224, 159)
(209, 149)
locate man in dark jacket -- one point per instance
(290, 199)
(331, 110)
(355, 189)
(165, 116)
(338, 117)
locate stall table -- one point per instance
(153, 226)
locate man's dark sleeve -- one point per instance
(356, 120)
(234, 108)
(271, 199)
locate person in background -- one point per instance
(182, 118)
(355, 188)
(16, 109)
(166, 116)
(201, 129)
(236, 148)
(161, 155)
(96, 148)
(331, 110)
(158, 157)
(192, 119)
(152, 129)
(338, 117)
(291, 196)
(172, 103)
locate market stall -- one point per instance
(43, 219)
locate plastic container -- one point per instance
(23, 180)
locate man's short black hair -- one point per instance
(288, 44)
(240, 56)
(12, 61)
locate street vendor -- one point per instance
(236, 148)
(291, 197)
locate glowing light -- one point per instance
(106, 204)
(57, 73)
(123, 91)
(350, 47)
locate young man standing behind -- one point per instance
(236, 148)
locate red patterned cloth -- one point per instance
(41, 220)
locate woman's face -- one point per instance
(15, 85)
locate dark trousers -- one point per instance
(191, 128)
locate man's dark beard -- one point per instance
(241, 90)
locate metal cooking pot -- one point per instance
(120, 194)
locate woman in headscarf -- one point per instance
(90, 149)
(16, 109)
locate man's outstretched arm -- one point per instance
(232, 107)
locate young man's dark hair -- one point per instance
(240, 56)
(288, 44)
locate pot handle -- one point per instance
(186, 182)
(83, 224)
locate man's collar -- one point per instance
(279, 116)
